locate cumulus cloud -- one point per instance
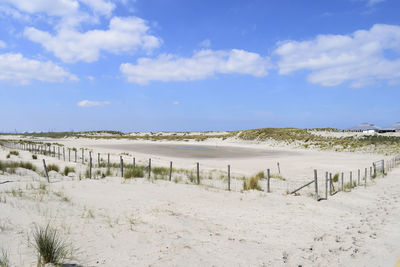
(2, 44)
(361, 58)
(124, 35)
(374, 2)
(17, 69)
(99, 6)
(205, 43)
(203, 64)
(88, 103)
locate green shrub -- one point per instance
(8, 156)
(34, 157)
(53, 167)
(133, 173)
(67, 170)
(51, 248)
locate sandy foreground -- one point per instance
(137, 222)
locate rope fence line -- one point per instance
(215, 178)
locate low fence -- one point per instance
(321, 185)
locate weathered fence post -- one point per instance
(149, 168)
(229, 177)
(45, 171)
(330, 184)
(76, 156)
(351, 180)
(121, 165)
(69, 154)
(83, 157)
(98, 159)
(279, 168)
(134, 162)
(54, 151)
(170, 171)
(58, 152)
(198, 173)
(383, 166)
(365, 181)
(108, 160)
(268, 181)
(316, 184)
(90, 165)
(342, 181)
(326, 185)
(359, 177)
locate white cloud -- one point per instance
(2, 44)
(359, 58)
(17, 69)
(175, 102)
(205, 43)
(88, 103)
(51, 7)
(99, 6)
(203, 64)
(374, 2)
(124, 35)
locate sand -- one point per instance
(112, 222)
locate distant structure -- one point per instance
(393, 128)
(364, 128)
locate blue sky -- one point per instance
(178, 65)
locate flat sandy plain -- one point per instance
(136, 222)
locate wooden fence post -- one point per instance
(45, 171)
(69, 154)
(98, 159)
(198, 173)
(279, 169)
(108, 160)
(359, 177)
(149, 168)
(58, 152)
(342, 181)
(365, 181)
(268, 181)
(121, 165)
(170, 171)
(229, 177)
(134, 162)
(330, 184)
(83, 157)
(326, 185)
(316, 184)
(90, 165)
(76, 156)
(351, 180)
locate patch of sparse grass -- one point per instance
(13, 152)
(10, 166)
(335, 178)
(251, 184)
(4, 261)
(67, 170)
(134, 173)
(160, 172)
(49, 245)
(260, 175)
(53, 167)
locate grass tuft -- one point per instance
(134, 173)
(67, 170)
(4, 262)
(51, 248)
(251, 184)
(53, 167)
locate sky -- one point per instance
(199, 65)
